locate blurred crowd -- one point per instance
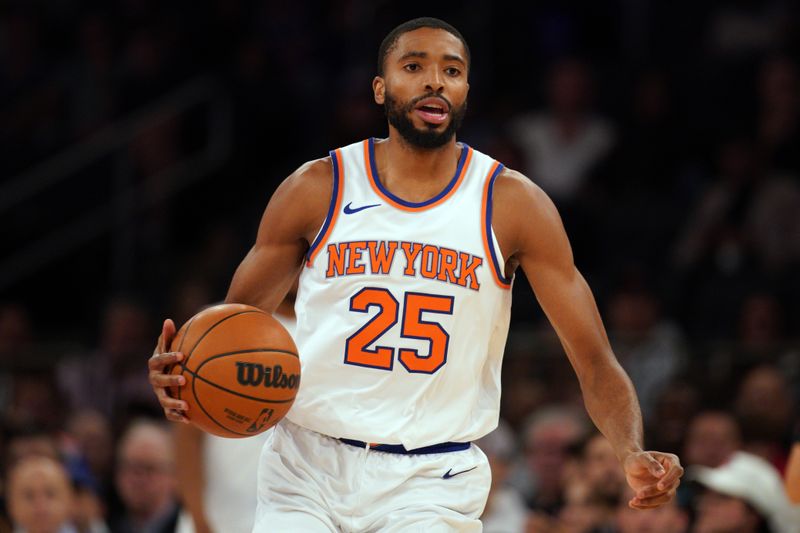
(667, 133)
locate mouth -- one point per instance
(432, 110)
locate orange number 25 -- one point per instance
(413, 327)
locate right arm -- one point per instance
(290, 223)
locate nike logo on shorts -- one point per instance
(448, 475)
(350, 210)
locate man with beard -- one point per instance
(406, 248)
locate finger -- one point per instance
(655, 468)
(164, 340)
(653, 501)
(655, 490)
(175, 416)
(160, 361)
(673, 467)
(173, 404)
(159, 379)
(168, 402)
(672, 476)
(168, 332)
(648, 491)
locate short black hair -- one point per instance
(423, 22)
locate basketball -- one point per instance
(241, 367)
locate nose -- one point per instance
(433, 82)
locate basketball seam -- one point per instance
(249, 350)
(203, 336)
(194, 393)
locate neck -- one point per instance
(401, 159)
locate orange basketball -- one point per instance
(241, 367)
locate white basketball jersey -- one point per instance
(403, 309)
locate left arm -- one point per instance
(532, 235)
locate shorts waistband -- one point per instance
(443, 447)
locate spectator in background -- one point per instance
(601, 470)
(28, 441)
(583, 512)
(16, 336)
(40, 497)
(89, 434)
(649, 347)
(640, 190)
(35, 400)
(669, 518)
(760, 331)
(675, 406)
(772, 226)
(563, 144)
(505, 510)
(88, 510)
(744, 495)
(760, 339)
(548, 435)
(713, 230)
(90, 77)
(712, 437)
(763, 404)
(592, 488)
(563, 147)
(745, 226)
(145, 479)
(86, 506)
(109, 379)
(779, 113)
(16, 330)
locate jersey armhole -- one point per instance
(490, 245)
(333, 209)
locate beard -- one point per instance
(427, 139)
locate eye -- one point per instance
(452, 71)
(412, 67)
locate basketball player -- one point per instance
(406, 249)
(217, 476)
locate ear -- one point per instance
(379, 90)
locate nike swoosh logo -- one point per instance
(448, 475)
(350, 210)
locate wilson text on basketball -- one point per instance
(255, 374)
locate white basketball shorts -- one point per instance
(310, 483)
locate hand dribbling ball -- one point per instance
(241, 367)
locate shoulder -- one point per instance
(307, 188)
(314, 176)
(523, 216)
(300, 203)
(512, 188)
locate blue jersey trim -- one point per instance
(497, 267)
(384, 190)
(331, 208)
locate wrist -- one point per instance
(628, 452)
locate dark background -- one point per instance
(140, 142)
